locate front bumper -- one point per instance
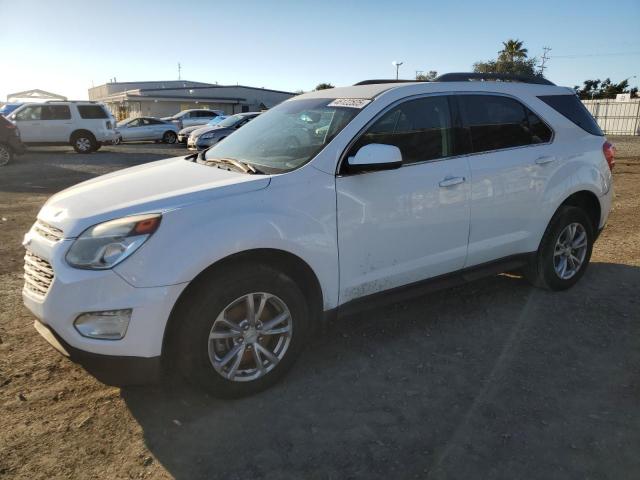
(109, 369)
(73, 292)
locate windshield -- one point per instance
(231, 121)
(217, 120)
(287, 136)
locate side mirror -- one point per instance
(376, 156)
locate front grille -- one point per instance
(38, 274)
(48, 231)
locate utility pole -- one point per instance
(545, 57)
(179, 70)
(397, 65)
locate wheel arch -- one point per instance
(79, 131)
(286, 262)
(587, 201)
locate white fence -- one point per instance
(616, 117)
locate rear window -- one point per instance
(92, 111)
(572, 108)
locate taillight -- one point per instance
(609, 151)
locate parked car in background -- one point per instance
(7, 108)
(84, 125)
(146, 128)
(413, 186)
(188, 118)
(203, 138)
(10, 143)
(183, 135)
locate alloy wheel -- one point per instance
(5, 155)
(570, 250)
(83, 144)
(250, 337)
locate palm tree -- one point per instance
(513, 50)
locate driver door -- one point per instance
(400, 226)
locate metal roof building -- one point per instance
(165, 98)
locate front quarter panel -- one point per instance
(295, 213)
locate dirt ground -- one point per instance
(494, 379)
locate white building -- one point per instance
(165, 98)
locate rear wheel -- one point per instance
(83, 142)
(245, 337)
(6, 155)
(565, 250)
(169, 137)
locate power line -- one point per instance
(596, 55)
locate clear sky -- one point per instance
(65, 46)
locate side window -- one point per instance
(56, 112)
(92, 112)
(153, 121)
(572, 108)
(135, 123)
(30, 113)
(145, 122)
(495, 122)
(207, 114)
(420, 128)
(540, 133)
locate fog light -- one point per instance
(109, 325)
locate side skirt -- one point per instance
(448, 280)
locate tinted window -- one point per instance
(92, 111)
(420, 128)
(30, 113)
(540, 133)
(56, 112)
(153, 121)
(495, 122)
(205, 114)
(572, 108)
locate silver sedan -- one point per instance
(146, 128)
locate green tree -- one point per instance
(603, 89)
(324, 86)
(512, 50)
(512, 59)
(429, 76)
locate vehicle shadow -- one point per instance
(493, 379)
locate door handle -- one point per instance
(451, 181)
(545, 159)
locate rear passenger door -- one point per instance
(56, 123)
(511, 160)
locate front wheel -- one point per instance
(169, 137)
(6, 155)
(565, 250)
(243, 338)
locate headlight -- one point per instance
(105, 245)
(207, 135)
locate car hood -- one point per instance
(153, 187)
(202, 131)
(186, 130)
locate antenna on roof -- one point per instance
(179, 71)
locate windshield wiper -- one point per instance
(245, 167)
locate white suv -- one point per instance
(84, 125)
(222, 264)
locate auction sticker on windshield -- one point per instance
(350, 102)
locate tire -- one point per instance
(117, 141)
(202, 314)
(169, 137)
(83, 142)
(568, 240)
(6, 154)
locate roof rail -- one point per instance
(375, 82)
(499, 77)
(70, 101)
